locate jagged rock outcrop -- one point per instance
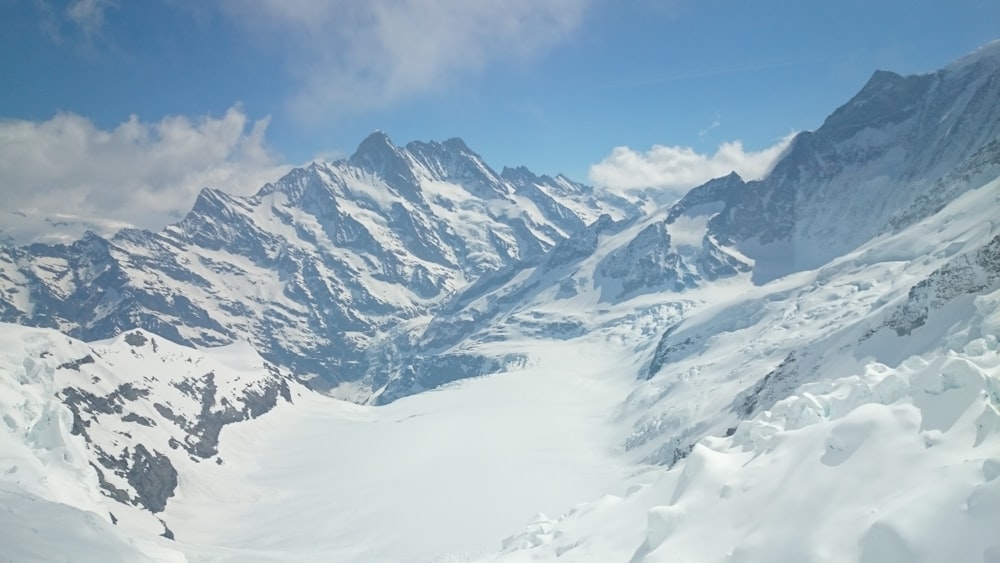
(142, 404)
(967, 274)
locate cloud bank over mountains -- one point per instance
(64, 175)
(680, 168)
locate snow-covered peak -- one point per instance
(376, 145)
(314, 268)
(456, 144)
(884, 151)
(453, 161)
(708, 197)
(520, 175)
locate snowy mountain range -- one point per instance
(803, 367)
(314, 269)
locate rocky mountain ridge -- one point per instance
(312, 269)
(390, 270)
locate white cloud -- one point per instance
(64, 174)
(357, 56)
(681, 168)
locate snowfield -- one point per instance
(437, 475)
(440, 475)
(891, 464)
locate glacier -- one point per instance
(405, 355)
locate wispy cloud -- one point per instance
(716, 122)
(83, 19)
(357, 56)
(66, 171)
(681, 168)
(88, 15)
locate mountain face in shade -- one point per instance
(881, 160)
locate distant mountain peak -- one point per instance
(377, 145)
(378, 155)
(519, 174)
(454, 147)
(456, 144)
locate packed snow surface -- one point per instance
(439, 475)
(893, 464)
(444, 472)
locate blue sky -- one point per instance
(118, 111)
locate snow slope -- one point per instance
(96, 434)
(433, 477)
(889, 464)
(849, 413)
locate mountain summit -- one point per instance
(877, 159)
(315, 269)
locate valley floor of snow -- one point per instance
(440, 476)
(893, 463)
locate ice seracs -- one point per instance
(889, 464)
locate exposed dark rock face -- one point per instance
(967, 274)
(110, 490)
(647, 261)
(153, 477)
(435, 371)
(82, 402)
(75, 364)
(139, 471)
(138, 419)
(770, 389)
(203, 431)
(167, 532)
(668, 350)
